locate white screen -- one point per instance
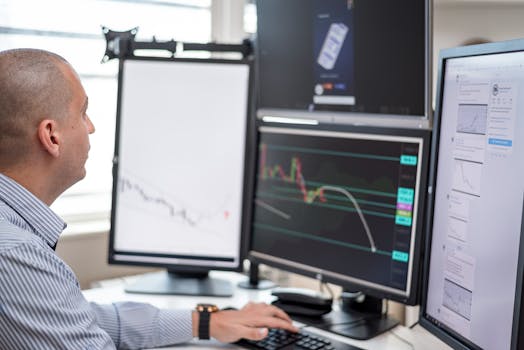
(478, 198)
(181, 161)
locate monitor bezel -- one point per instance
(374, 119)
(443, 332)
(202, 267)
(412, 297)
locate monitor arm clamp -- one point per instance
(124, 44)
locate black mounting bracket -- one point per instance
(123, 45)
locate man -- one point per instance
(44, 143)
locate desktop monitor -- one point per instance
(342, 58)
(179, 170)
(473, 273)
(342, 204)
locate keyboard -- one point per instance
(281, 339)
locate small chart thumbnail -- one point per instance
(466, 177)
(472, 119)
(457, 299)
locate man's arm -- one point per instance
(42, 307)
(138, 325)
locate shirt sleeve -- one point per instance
(139, 325)
(42, 307)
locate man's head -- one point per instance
(43, 122)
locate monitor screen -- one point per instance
(179, 163)
(342, 204)
(359, 56)
(478, 197)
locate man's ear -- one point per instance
(49, 137)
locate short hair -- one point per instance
(33, 87)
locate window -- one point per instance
(250, 17)
(72, 29)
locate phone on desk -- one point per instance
(302, 302)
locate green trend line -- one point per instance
(320, 239)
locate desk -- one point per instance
(400, 338)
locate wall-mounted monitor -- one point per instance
(339, 58)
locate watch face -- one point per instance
(207, 308)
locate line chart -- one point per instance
(472, 119)
(457, 299)
(467, 177)
(125, 185)
(272, 209)
(309, 196)
(174, 210)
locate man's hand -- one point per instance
(250, 322)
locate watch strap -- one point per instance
(203, 324)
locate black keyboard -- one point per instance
(281, 339)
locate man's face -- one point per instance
(76, 127)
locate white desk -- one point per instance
(416, 338)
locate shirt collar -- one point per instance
(44, 222)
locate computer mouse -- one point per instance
(229, 308)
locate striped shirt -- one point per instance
(41, 304)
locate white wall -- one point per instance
(86, 254)
(227, 21)
(456, 21)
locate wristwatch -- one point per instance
(204, 313)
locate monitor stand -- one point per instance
(254, 281)
(360, 320)
(181, 283)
